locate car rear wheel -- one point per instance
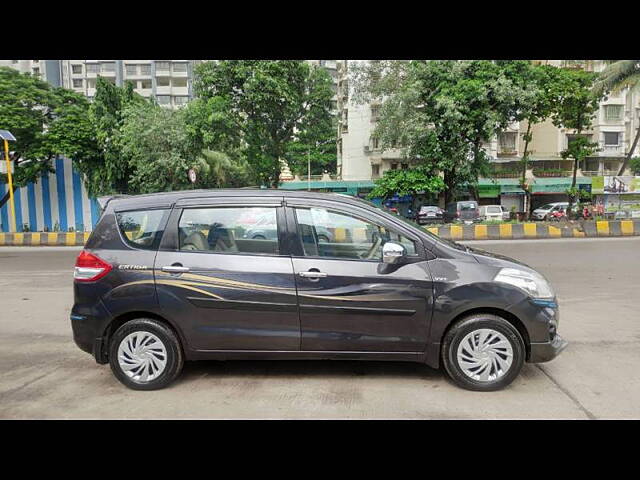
(483, 352)
(145, 354)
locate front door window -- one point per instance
(330, 234)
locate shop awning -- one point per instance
(557, 184)
(490, 188)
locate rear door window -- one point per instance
(142, 228)
(467, 206)
(249, 230)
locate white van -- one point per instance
(493, 212)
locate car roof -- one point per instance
(168, 198)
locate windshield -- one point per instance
(548, 206)
(467, 206)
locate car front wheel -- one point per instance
(145, 354)
(483, 352)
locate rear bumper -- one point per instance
(543, 352)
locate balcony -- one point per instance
(611, 151)
(551, 172)
(506, 174)
(506, 152)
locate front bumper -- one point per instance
(543, 352)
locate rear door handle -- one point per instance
(174, 269)
(313, 274)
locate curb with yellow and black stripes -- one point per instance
(505, 231)
(50, 239)
(518, 231)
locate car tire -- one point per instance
(493, 358)
(124, 352)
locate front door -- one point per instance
(225, 290)
(349, 300)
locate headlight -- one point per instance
(532, 283)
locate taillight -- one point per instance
(458, 213)
(90, 268)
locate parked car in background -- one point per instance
(464, 211)
(430, 214)
(544, 212)
(265, 228)
(493, 212)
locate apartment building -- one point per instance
(48, 70)
(331, 66)
(170, 82)
(360, 156)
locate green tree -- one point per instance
(314, 141)
(576, 105)
(110, 171)
(267, 101)
(440, 113)
(406, 182)
(540, 82)
(620, 74)
(634, 165)
(154, 148)
(46, 122)
(219, 170)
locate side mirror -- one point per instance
(392, 253)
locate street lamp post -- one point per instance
(7, 137)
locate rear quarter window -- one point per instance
(142, 228)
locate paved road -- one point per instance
(44, 375)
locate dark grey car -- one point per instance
(171, 277)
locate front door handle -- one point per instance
(174, 269)
(313, 274)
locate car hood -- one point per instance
(494, 259)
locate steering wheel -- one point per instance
(376, 245)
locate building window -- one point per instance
(613, 112)
(163, 66)
(180, 100)
(394, 166)
(507, 141)
(109, 67)
(179, 82)
(164, 99)
(145, 84)
(179, 67)
(76, 69)
(572, 138)
(163, 82)
(77, 83)
(93, 68)
(14, 61)
(36, 71)
(91, 83)
(375, 111)
(375, 171)
(375, 143)
(612, 138)
(405, 166)
(145, 69)
(131, 69)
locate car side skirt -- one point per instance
(303, 355)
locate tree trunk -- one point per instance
(525, 161)
(625, 163)
(573, 186)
